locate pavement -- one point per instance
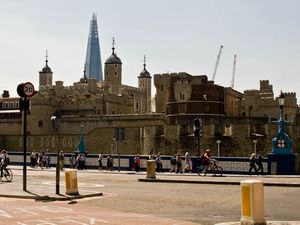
(14, 189)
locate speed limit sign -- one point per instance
(28, 89)
(25, 89)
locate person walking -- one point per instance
(158, 163)
(109, 162)
(137, 163)
(100, 158)
(33, 158)
(4, 161)
(259, 163)
(187, 161)
(173, 163)
(48, 159)
(178, 163)
(252, 163)
(61, 159)
(150, 156)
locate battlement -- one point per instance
(131, 88)
(289, 94)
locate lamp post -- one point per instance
(81, 146)
(281, 119)
(54, 121)
(254, 145)
(119, 99)
(117, 150)
(218, 142)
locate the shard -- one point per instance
(93, 63)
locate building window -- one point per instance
(207, 109)
(182, 109)
(182, 96)
(115, 73)
(120, 133)
(40, 123)
(116, 66)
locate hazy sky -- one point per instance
(175, 35)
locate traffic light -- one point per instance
(197, 127)
(24, 104)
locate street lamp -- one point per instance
(119, 99)
(54, 121)
(281, 105)
(281, 100)
(254, 145)
(218, 142)
(117, 149)
(81, 146)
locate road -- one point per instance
(126, 199)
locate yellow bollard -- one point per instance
(151, 169)
(253, 210)
(71, 182)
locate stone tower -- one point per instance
(45, 78)
(144, 80)
(113, 72)
(93, 63)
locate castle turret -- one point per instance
(144, 80)
(45, 78)
(113, 71)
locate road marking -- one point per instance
(79, 184)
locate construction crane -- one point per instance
(233, 72)
(217, 62)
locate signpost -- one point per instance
(25, 91)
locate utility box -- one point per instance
(71, 182)
(253, 210)
(151, 169)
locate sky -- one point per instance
(175, 36)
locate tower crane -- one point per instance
(233, 72)
(217, 62)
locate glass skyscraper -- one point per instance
(93, 63)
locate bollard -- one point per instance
(253, 210)
(71, 182)
(151, 169)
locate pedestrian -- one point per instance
(33, 159)
(173, 163)
(72, 160)
(4, 161)
(252, 163)
(41, 161)
(150, 156)
(187, 161)
(158, 163)
(61, 159)
(48, 159)
(137, 163)
(82, 161)
(259, 160)
(109, 162)
(178, 163)
(100, 158)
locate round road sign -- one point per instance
(28, 89)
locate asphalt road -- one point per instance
(161, 203)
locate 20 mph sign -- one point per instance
(28, 89)
(25, 89)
